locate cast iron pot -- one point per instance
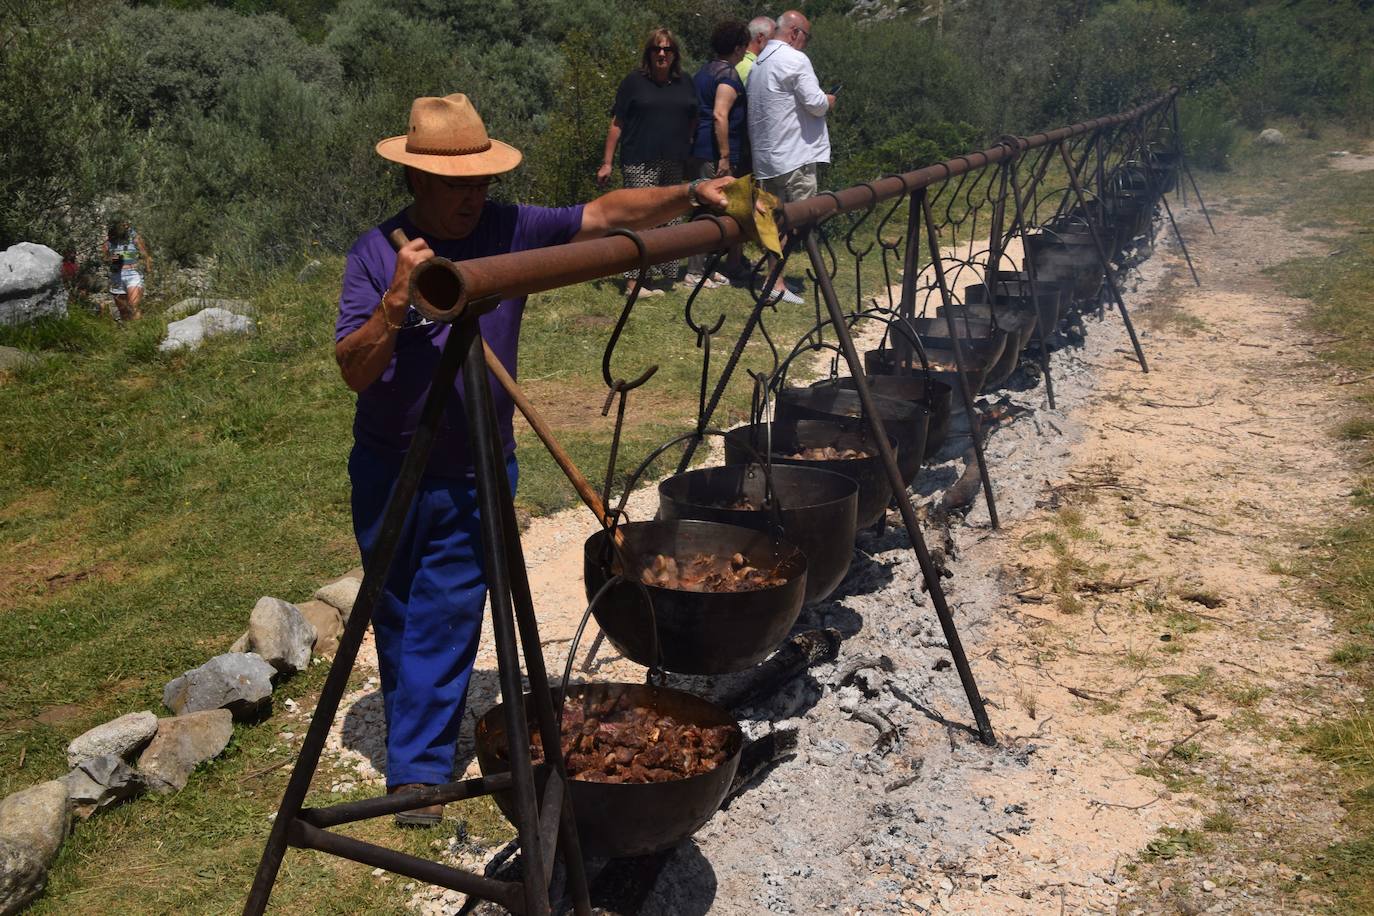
(934, 396)
(986, 328)
(1042, 308)
(818, 511)
(621, 820)
(979, 358)
(697, 632)
(743, 443)
(1043, 285)
(905, 422)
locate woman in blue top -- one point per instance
(721, 135)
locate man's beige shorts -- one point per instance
(798, 184)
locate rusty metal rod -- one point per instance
(523, 272)
(899, 490)
(1106, 264)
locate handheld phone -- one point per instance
(835, 90)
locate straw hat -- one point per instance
(447, 137)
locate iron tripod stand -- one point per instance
(899, 491)
(542, 805)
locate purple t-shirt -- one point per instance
(389, 409)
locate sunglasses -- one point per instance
(468, 184)
(662, 50)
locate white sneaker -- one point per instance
(648, 292)
(785, 296)
(692, 280)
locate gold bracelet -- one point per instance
(386, 319)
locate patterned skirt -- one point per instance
(657, 173)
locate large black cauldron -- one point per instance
(621, 820)
(934, 332)
(818, 511)
(935, 396)
(697, 632)
(904, 421)
(743, 443)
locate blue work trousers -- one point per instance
(429, 620)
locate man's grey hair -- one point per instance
(791, 19)
(762, 27)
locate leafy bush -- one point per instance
(1209, 128)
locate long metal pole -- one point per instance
(1106, 265)
(1044, 333)
(374, 580)
(899, 491)
(975, 425)
(492, 483)
(1164, 198)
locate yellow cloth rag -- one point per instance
(753, 208)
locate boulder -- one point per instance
(118, 738)
(183, 743)
(190, 333)
(13, 358)
(240, 682)
(1272, 136)
(100, 782)
(341, 593)
(328, 624)
(31, 284)
(279, 632)
(37, 818)
(242, 644)
(309, 272)
(22, 876)
(199, 303)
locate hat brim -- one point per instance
(500, 158)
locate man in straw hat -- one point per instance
(429, 620)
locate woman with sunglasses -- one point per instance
(653, 121)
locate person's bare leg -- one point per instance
(135, 298)
(122, 310)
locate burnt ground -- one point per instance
(1144, 650)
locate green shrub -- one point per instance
(1209, 128)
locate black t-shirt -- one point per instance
(655, 120)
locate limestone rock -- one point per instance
(12, 358)
(1272, 136)
(37, 818)
(240, 682)
(341, 593)
(279, 632)
(199, 303)
(182, 743)
(242, 644)
(328, 624)
(31, 284)
(118, 738)
(100, 782)
(309, 272)
(190, 333)
(22, 876)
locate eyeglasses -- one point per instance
(468, 184)
(660, 49)
(805, 34)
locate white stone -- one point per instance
(340, 593)
(117, 738)
(279, 632)
(199, 303)
(31, 284)
(37, 818)
(190, 333)
(1272, 136)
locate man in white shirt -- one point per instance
(787, 112)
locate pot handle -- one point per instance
(610, 584)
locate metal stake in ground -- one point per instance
(1105, 261)
(899, 491)
(1020, 228)
(1164, 199)
(975, 425)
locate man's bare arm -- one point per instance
(364, 354)
(644, 208)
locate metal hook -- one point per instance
(620, 385)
